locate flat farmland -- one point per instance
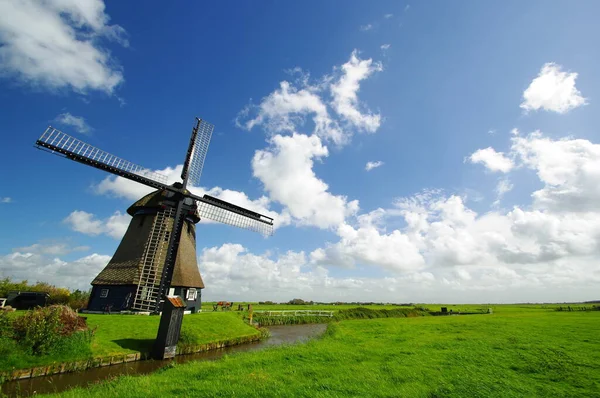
(519, 351)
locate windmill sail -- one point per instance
(61, 143)
(199, 148)
(218, 210)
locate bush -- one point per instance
(6, 329)
(41, 330)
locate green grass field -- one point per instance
(519, 351)
(125, 334)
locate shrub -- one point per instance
(6, 329)
(41, 330)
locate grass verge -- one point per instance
(126, 334)
(515, 354)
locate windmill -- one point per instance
(173, 209)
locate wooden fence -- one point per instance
(293, 313)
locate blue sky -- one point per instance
(421, 87)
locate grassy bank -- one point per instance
(511, 354)
(126, 334)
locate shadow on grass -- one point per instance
(142, 345)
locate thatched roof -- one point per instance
(152, 200)
(125, 266)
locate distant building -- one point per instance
(26, 300)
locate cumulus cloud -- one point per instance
(492, 160)
(52, 248)
(87, 223)
(45, 267)
(331, 103)
(285, 109)
(367, 245)
(496, 250)
(385, 46)
(552, 90)
(569, 169)
(124, 188)
(345, 93)
(77, 122)
(373, 165)
(286, 170)
(545, 250)
(55, 44)
(6, 199)
(232, 272)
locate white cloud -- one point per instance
(345, 93)
(372, 165)
(6, 199)
(440, 247)
(231, 272)
(366, 27)
(54, 44)
(77, 122)
(492, 160)
(493, 251)
(285, 110)
(504, 186)
(569, 169)
(285, 168)
(35, 266)
(286, 171)
(385, 46)
(87, 223)
(553, 90)
(124, 188)
(366, 245)
(51, 248)
(388, 16)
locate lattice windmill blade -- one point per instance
(194, 162)
(221, 211)
(75, 149)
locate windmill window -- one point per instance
(104, 293)
(192, 294)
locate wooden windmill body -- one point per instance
(156, 259)
(121, 285)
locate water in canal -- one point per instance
(287, 334)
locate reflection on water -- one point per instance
(41, 385)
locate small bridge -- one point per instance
(294, 313)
